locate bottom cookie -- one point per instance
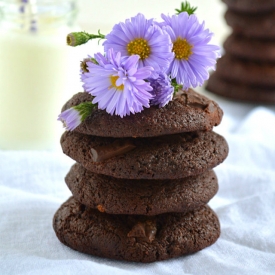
(134, 238)
(240, 91)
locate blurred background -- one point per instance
(39, 72)
(104, 14)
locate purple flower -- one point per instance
(117, 83)
(162, 90)
(193, 55)
(139, 36)
(71, 118)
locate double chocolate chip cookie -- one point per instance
(140, 197)
(135, 238)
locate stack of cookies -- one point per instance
(141, 183)
(247, 69)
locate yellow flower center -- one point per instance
(113, 80)
(182, 49)
(139, 46)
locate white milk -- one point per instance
(37, 72)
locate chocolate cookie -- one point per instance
(134, 238)
(245, 71)
(259, 25)
(249, 48)
(140, 197)
(240, 91)
(188, 111)
(167, 157)
(252, 6)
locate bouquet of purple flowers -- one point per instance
(145, 63)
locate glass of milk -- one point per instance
(37, 71)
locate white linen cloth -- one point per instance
(32, 188)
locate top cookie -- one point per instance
(252, 6)
(189, 111)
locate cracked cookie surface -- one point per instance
(168, 157)
(135, 238)
(188, 111)
(140, 197)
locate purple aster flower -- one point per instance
(72, 117)
(193, 55)
(139, 36)
(162, 90)
(117, 83)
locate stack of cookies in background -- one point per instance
(141, 183)
(246, 71)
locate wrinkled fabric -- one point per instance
(32, 188)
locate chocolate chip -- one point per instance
(116, 148)
(144, 230)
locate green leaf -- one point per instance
(186, 7)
